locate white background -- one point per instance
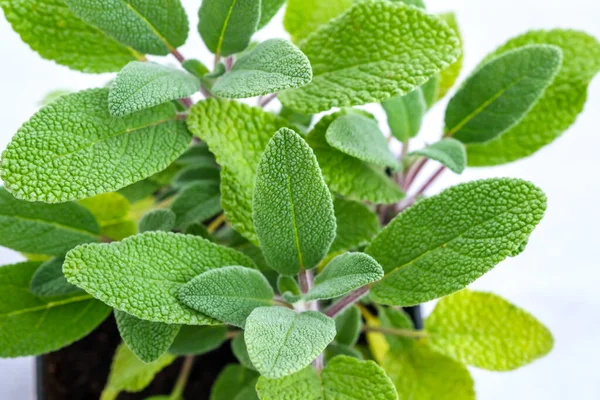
(556, 279)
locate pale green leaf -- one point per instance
(158, 220)
(142, 85)
(49, 280)
(442, 244)
(301, 121)
(356, 224)
(396, 319)
(107, 208)
(198, 340)
(268, 10)
(142, 275)
(235, 383)
(54, 95)
(405, 114)
(486, 331)
(450, 152)
(195, 67)
(197, 202)
(302, 17)
(348, 324)
(238, 347)
(336, 349)
(73, 148)
(374, 51)
(302, 385)
(415, 3)
(501, 93)
(287, 284)
(139, 191)
(292, 207)
(281, 341)
(448, 76)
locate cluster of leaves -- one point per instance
(119, 195)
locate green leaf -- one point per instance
(336, 349)
(359, 136)
(405, 114)
(39, 228)
(302, 385)
(347, 175)
(301, 121)
(373, 52)
(423, 374)
(450, 152)
(75, 45)
(235, 383)
(430, 91)
(142, 85)
(238, 347)
(192, 174)
(486, 331)
(396, 319)
(54, 95)
(302, 17)
(149, 26)
(198, 340)
(228, 294)
(107, 208)
(501, 93)
(49, 280)
(348, 325)
(73, 148)
(268, 10)
(32, 325)
(271, 66)
(128, 373)
(197, 155)
(147, 340)
(281, 341)
(195, 67)
(558, 108)
(356, 224)
(228, 127)
(287, 284)
(140, 190)
(158, 220)
(292, 207)
(442, 244)
(197, 202)
(448, 76)
(226, 26)
(344, 274)
(142, 275)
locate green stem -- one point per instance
(182, 379)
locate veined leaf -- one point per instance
(450, 152)
(235, 383)
(292, 207)
(32, 325)
(268, 10)
(142, 275)
(348, 325)
(405, 114)
(303, 17)
(281, 341)
(149, 26)
(73, 148)
(49, 280)
(356, 225)
(271, 66)
(158, 220)
(142, 85)
(486, 331)
(501, 92)
(411, 46)
(197, 202)
(442, 244)
(198, 340)
(449, 75)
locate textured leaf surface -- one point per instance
(198, 339)
(197, 202)
(149, 26)
(302, 385)
(40, 228)
(75, 45)
(359, 136)
(268, 10)
(343, 274)
(235, 383)
(356, 224)
(237, 134)
(292, 207)
(158, 220)
(72, 148)
(558, 108)
(226, 26)
(49, 280)
(448, 76)
(450, 152)
(32, 325)
(348, 324)
(303, 17)
(347, 175)
(442, 244)
(405, 114)
(486, 331)
(281, 342)
(147, 340)
(375, 51)
(143, 274)
(228, 294)
(142, 85)
(501, 92)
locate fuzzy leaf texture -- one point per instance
(142, 275)
(405, 114)
(442, 244)
(292, 207)
(374, 51)
(450, 152)
(356, 225)
(235, 383)
(196, 340)
(73, 148)
(303, 17)
(49, 280)
(158, 220)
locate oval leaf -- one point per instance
(405, 114)
(450, 152)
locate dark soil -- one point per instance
(80, 371)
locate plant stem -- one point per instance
(430, 181)
(187, 102)
(397, 332)
(182, 379)
(263, 101)
(178, 55)
(344, 302)
(413, 172)
(319, 362)
(228, 63)
(305, 276)
(216, 223)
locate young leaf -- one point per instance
(302, 385)
(142, 275)
(238, 347)
(151, 26)
(501, 92)
(281, 341)
(49, 280)
(450, 152)
(442, 244)
(405, 114)
(195, 67)
(359, 136)
(158, 220)
(449, 75)
(303, 17)
(289, 289)
(292, 207)
(558, 108)
(31, 325)
(348, 324)
(268, 10)
(389, 55)
(344, 274)
(142, 85)
(271, 66)
(226, 26)
(486, 331)
(235, 383)
(198, 340)
(107, 208)
(197, 202)
(396, 319)
(73, 148)
(39, 228)
(228, 294)
(356, 224)
(147, 340)
(75, 45)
